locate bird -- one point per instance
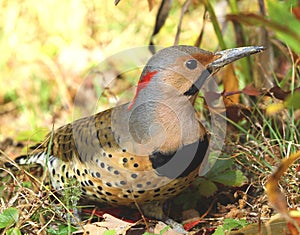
(147, 150)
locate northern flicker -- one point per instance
(149, 149)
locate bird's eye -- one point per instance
(191, 64)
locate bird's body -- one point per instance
(147, 150)
(89, 151)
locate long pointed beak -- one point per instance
(226, 57)
(230, 55)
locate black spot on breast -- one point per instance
(133, 176)
(136, 165)
(53, 172)
(122, 182)
(90, 182)
(63, 168)
(78, 172)
(108, 193)
(181, 163)
(108, 184)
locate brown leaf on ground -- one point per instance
(109, 223)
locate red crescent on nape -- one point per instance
(143, 82)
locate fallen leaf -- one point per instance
(109, 223)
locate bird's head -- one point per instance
(162, 113)
(182, 70)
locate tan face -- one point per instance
(186, 70)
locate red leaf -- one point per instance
(188, 226)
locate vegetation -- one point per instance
(51, 50)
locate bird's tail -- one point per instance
(36, 155)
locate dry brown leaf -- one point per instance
(110, 223)
(237, 112)
(251, 90)
(231, 83)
